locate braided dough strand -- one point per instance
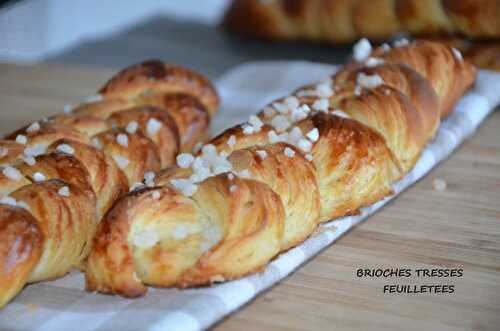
(60, 176)
(263, 187)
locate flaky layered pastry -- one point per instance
(159, 237)
(59, 176)
(263, 187)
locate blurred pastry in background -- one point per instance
(472, 26)
(483, 54)
(341, 21)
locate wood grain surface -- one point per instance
(423, 228)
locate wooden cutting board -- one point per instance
(423, 228)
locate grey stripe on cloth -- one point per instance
(63, 304)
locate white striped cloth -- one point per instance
(64, 305)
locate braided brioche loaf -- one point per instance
(59, 176)
(343, 21)
(262, 187)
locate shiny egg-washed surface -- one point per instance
(357, 133)
(60, 175)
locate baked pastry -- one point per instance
(483, 54)
(60, 175)
(342, 21)
(262, 187)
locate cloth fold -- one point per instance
(64, 305)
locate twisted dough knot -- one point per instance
(158, 237)
(59, 176)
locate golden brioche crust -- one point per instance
(395, 118)
(324, 152)
(254, 191)
(107, 179)
(165, 136)
(20, 248)
(86, 124)
(9, 184)
(354, 167)
(60, 175)
(241, 139)
(47, 133)
(103, 108)
(191, 117)
(60, 166)
(434, 61)
(408, 82)
(67, 224)
(137, 157)
(194, 241)
(250, 216)
(154, 76)
(10, 151)
(293, 179)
